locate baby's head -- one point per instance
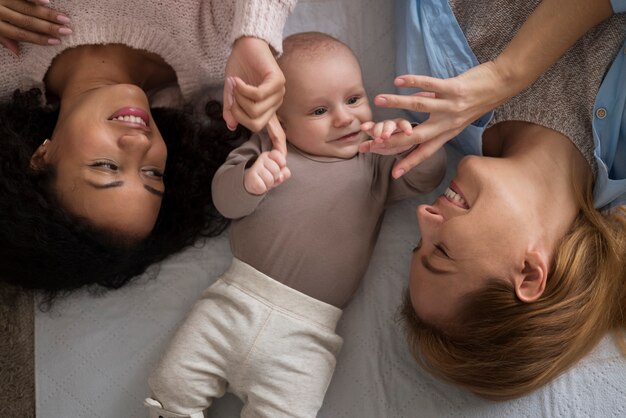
(325, 101)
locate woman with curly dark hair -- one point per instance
(89, 191)
(44, 246)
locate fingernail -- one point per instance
(399, 173)
(63, 19)
(380, 101)
(65, 31)
(54, 41)
(230, 128)
(399, 81)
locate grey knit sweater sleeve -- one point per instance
(194, 37)
(562, 98)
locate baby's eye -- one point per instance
(352, 100)
(319, 111)
(107, 165)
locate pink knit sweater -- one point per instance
(193, 36)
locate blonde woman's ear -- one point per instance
(531, 281)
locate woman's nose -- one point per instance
(428, 216)
(135, 141)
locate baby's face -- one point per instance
(325, 104)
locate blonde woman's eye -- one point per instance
(353, 100)
(319, 111)
(442, 250)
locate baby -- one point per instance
(266, 329)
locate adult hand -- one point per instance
(277, 135)
(30, 21)
(452, 103)
(254, 85)
(268, 171)
(381, 131)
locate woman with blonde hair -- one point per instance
(521, 267)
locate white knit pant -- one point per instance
(272, 346)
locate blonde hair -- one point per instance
(505, 347)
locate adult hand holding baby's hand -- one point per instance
(452, 104)
(254, 86)
(30, 21)
(268, 171)
(381, 132)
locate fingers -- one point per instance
(228, 102)
(272, 84)
(281, 161)
(254, 106)
(268, 171)
(382, 149)
(277, 135)
(405, 126)
(414, 103)
(26, 22)
(421, 153)
(425, 83)
(11, 45)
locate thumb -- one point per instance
(11, 45)
(228, 99)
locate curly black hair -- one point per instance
(43, 247)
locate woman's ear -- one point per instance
(531, 281)
(38, 159)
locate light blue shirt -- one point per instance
(429, 41)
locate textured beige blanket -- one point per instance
(17, 361)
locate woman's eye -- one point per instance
(319, 111)
(107, 165)
(353, 100)
(441, 250)
(153, 172)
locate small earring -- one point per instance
(45, 142)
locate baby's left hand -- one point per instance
(381, 132)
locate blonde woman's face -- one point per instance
(472, 233)
(109, 158)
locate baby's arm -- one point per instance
(268, 171)
(230, 193)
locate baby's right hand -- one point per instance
(268, 171)
(380, 132)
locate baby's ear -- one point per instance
(531, 281)
(38, 160)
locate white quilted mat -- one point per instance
(93, 354)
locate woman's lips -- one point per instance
(453, 195)
(132, 116)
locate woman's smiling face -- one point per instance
(108, 157)
(476, 231)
